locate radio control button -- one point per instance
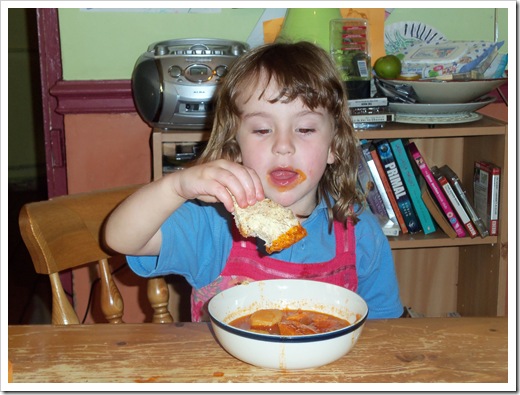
(175, 71)
(221, 70)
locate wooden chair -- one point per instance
(64, 233)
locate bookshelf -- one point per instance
(437, 275)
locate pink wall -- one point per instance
(104, 151)
(495, 110)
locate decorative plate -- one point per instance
(432, 119)
(400, 35)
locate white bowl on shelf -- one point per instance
(449, 91)
(287, 352)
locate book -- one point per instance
(398, 188)
(455, 202)
(367, 118)
(390, 208)
(412, 185)
(368, 125)
(462, 194)
(436, 212)
(388, 227)
(376, 167)
(368, 102)
(436, 190)
(369, 110)
(486, 185)
(369, 189)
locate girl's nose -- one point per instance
(283, 144)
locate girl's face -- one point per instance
(288, 145)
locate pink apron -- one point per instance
(245, 263)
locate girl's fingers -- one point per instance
(218, 180)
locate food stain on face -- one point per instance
(285, 178)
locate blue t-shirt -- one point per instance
(197, 240)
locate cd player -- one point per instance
(174, 81)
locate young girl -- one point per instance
(281, 131)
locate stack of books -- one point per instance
(370, 113)
(409, 196)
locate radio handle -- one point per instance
(163, 47)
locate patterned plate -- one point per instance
(437, 119)
(400, 35)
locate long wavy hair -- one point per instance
(302, 71)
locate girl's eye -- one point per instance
(261, 131)
(305, 131)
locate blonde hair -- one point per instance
(302, 71)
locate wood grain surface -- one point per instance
(388, 351)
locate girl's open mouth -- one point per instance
(285, 178)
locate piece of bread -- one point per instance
(274, 224)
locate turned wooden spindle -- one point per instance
(62, 311)
(112, 304)
(158, 296)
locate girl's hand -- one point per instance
(214, 181)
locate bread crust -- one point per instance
(287, 239)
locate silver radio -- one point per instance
(173, 83)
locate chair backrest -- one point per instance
(65, 233)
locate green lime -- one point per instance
(388, 66)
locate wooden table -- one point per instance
(388, 351)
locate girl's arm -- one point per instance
(134, 227)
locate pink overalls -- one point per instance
(245, 263)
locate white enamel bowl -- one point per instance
(452, 91)
(287, 352)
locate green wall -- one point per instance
(458, 23)
(105, 44)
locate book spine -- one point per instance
(398, 188)
(372, 102)
(392, 214)
(389, 227)
(495, 186)
(455, 202)
(401, 157)
(486, 194)
(369, 111)
(461, 193)
(369, 189)
(379, 174)
(437, 192)
(389, 117)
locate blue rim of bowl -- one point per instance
(289, 339)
